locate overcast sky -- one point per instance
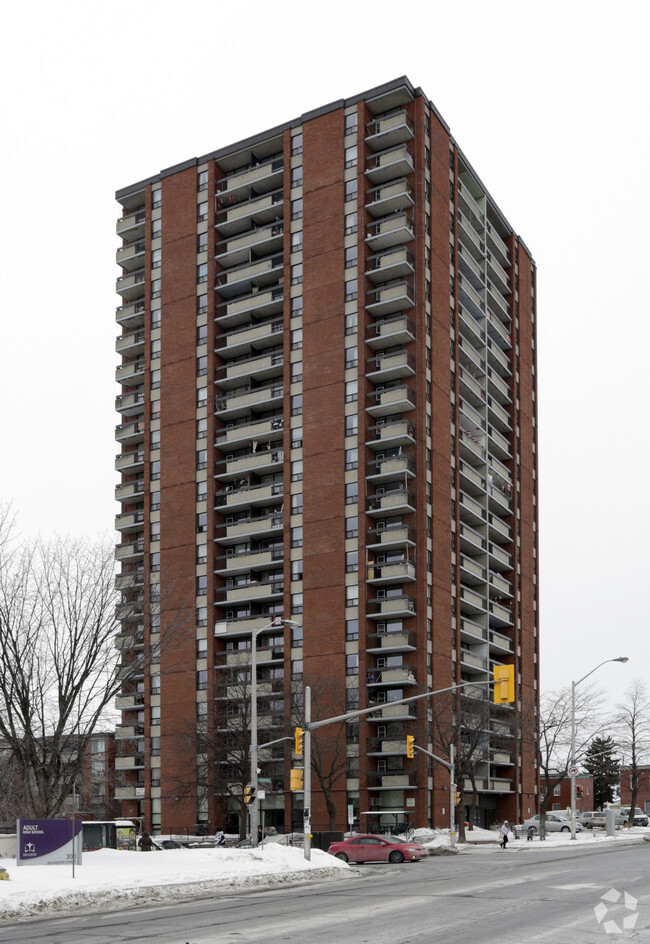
(548, 101)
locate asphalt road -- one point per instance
(491, 896)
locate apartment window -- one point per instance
(351, 458)
(201, 616)
(351, 156)
(296, 570)
(296, 405)
(202, 428)
(351, 425)
(296, 176)
(351, 323)
(351, 256)
(155, 379)
(202, 272)
(296, 504)
(155, 714)
(352, 664)
(296, 437)
(351, 493)
(557, 789)
(201, 304)
(296, 339)
(351, 391)
(201, 680)
(351, 629)
(201, 648)
(155, 288)
(201, 366)
(156, 316)
(155, 439)
(154, 562)
(156, 229)
(202, 183)
(202, 211)
(351, 290)
(351, 123)
(352, 527)
(296, 631)
(296, 144)
(154, 531)
(202, 459)
(202, 522)
(201, 335)
(296, 669)
(296, 274)
(296, 306)
(201, 491)
(156, 347)
(296, 371)
(427, 157)
(155, 501)
(352, 562)
(352, 595)
(351, 357)
(156, 198)
(296, 537)
(351, 699)
(201, 397)
(154, 470)
(156, 258)
(350, 190)
(202, 242)
(201, 553)
(296, 607)
(296, 209)
(296, 470)
(296, 241)
(202, 586)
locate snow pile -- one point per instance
(109, 877)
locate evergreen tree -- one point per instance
(600, 761)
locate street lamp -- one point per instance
(573, 770)
(278, 623)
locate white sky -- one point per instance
(549, 103)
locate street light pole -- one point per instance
(277, 623)
(573, 770)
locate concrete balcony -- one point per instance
(129, 522)
(259, 273)
(390, 469)
(232, 498)
(239, 404)
(253, 591)
(392, 197)
(396, 162)
(395, 502)
(392, 782)
(263, 461)
(391, 435)
(404, 641)
(130, 286)
(129, 701)
(128, 463)
(132, 762)
(497, 246)
(386, 574)
(391, 401)
(390, 265)
(382, 747)
(131, 315)
(254, 178)
(389, 332)
(255, 242)
(131, 374)
(250, 561)
(131, 343)
(387, 132)
(384, 538)
(378, 609)
(389, 712)
(135, 792)
(253, 368)
(129, 551)
(499, 531)
(129, 492)
(393, 231)
(131, 256)
(387, 367)
(132, 225)
(265, 526)
(237, 218)
(259, 430)
(130, 433)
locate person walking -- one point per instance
(505, 829)
(146, 842)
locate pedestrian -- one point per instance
(219, 839)
(145, 842)
(505, 829)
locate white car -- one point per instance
(554, 824)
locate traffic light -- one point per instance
(580, 791)
(504, 684)
(300, 738)
(456, 797)
(296, 779)
(249, 793)
(410, 750)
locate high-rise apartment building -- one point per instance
(328, 413)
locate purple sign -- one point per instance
(47, 842)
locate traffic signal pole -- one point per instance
(503, 692)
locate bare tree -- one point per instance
(329, 760)
(58, 627)
(633, 725)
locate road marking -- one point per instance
(574, 888)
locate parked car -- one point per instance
(592, 818)
(555, 823)
(284, 839)
(368, 848)
(161, 844)
(640, 818)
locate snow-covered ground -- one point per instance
(108, 878)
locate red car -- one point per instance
(377, 849)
